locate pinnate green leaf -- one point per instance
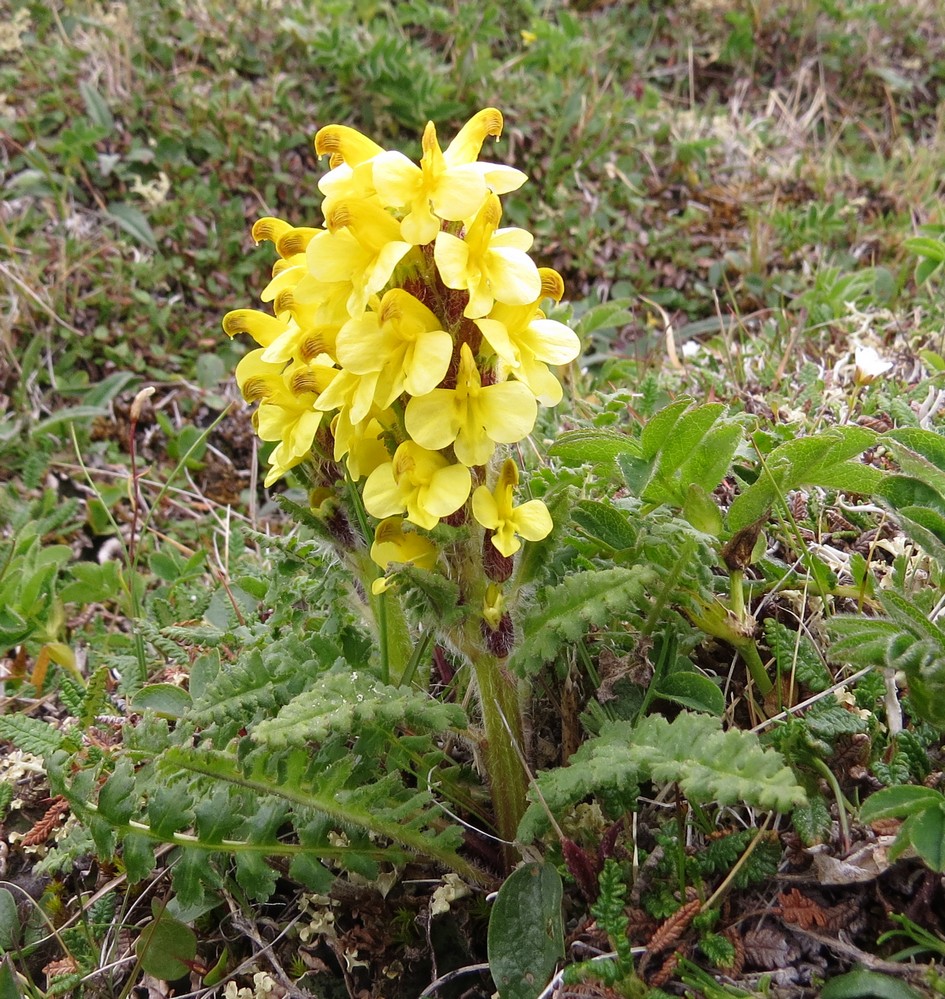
(709, 764)
(565, 612)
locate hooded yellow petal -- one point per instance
(345, 145)
(468, 142)
(262, 327)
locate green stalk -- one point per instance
(502, 721)
(393, 635)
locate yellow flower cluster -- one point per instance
(407, 335)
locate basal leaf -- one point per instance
(692, 690)
(526, 931)
(30, 734)
(565, 612)
(898, 802)
(927, 835)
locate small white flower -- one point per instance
(868, 365)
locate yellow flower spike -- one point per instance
(448, 185)
(492, 264)
(472, 417)
(270, 228)
(493, 606)
(418, 482)
(393, 544)
(262, 327)
(496, 512)
(402, 340)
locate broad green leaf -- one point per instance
(604, 316)
(70, 414)
(898, 802)
(166, 948)
(818, 460)
(710, 461)
(589, 447)
(165, 699)
(133, 221)
(605, 523)
(931, 249)
(903, 491)
(701, 510)
(9, 987)
(927, 835)
(115, 801)
(863, 984)
(688, 434)
(309, 872)
(9, 922)
(526, 931)
(692, 690)
(920, 453)
(169, 809)
(658, 429)
(137, 852)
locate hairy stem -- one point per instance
(502, 721)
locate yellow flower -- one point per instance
(420, 483)
(493, 606)
(446, 185)
(262, 327)
(401, 341)
(362, 443)
(472, 417)
(492, 264)
(350, 394)
(496, 511)
(361, 249)
(350, 155)
(527, 342)
(393, 545)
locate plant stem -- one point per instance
(502, 721)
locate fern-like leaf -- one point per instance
(30, 734)
(346, 701)
(566, 612)
(693, 750)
